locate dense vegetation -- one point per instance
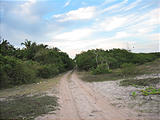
(21, 66)
(102, 61)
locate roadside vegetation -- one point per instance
(27, 107)
(27, 86)
(28, 101)
(124, 72)
(29, 64)
(101, 65)
(140, 82)
(100, 61)
(122, 65)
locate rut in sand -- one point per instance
(79, 102)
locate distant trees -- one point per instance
(128, 69)
(101, 61)
(21, 66)
(27, 43)
(86, 60)
(6, 48)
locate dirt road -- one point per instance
(80, 102)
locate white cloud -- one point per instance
(107, 2)
(116, 6)
(134, 23)
(74, 35)
(111, 44)
(112, 23)
(144, 24)
(13, 35)
(24, 12)
(147, 47)
(132, 5)
(121, 35)
(79, 14)
(67, 3)
(154, 36)
(74, 47)
(25, 8)
(125, 26)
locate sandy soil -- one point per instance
(79, 101)
(143, 107)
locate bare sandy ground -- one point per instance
(78, 101)
(142, 107)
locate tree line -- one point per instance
(103, 61)
(33, 61)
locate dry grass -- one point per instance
(40, 87)
(16, 104)
(86, 76)
(25, 107)
(148, 68)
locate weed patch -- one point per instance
(150, 91)
(27, 107)
(98, 78)
(140, 82)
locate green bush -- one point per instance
(100, 69)
(20, 66)
(128, 69)
(15, 72)
(47, 71)
(86, 60)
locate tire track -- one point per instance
(68, 110)
(107, 111)
(79, 102)
(87, 108)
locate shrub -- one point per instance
(3, 79)
(128, 69)
(47, 71)
(100, 69)
(14, 72)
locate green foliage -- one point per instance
(100, 69)
(150, 91)
(22, 66)
(121, 56)
(115, 58)
(6, 48)
(27, 107)
(86, 60)
(134, 94)
(141, 58)
(15, 72)
(128, 69)
(47, 71)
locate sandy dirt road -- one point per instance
(80, 102)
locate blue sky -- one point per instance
(79, 25)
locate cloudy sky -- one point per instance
(79, 25)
